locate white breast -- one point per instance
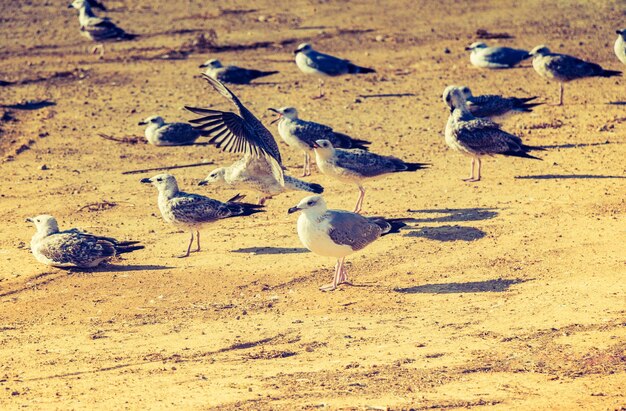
(302, 63)
(620, 49)
(314, 236)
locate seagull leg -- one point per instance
(359, 202)
(198, 240)
(98, 47)
(560, 94)
(305, 169)
(332, 286)
(188, 247)
(479, 165)
(471, 177)
(321, 93)
(343, 272)
(262, 200)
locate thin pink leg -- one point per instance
(198, 240)
(359, 202)
(188, 247)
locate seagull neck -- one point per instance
(325, 154)
(462, 113)
(44, 232)
(85, 13)
(169, 192)
(314, 214)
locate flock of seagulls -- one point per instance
(470, 130)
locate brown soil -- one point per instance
(508, 293)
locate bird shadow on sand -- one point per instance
(566, 176)
(118, 268)
(574, 145)
(452, 215)
(448, 233)
(270, 250)
(490, 286)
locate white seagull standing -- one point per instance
(232, 74)
(354, 166)
(310, 61)
(620, 45)
(338, 233)
(98, 29)
(73, 248)
(484, 56)
(192, 211)
(477, 137)
(302, 134)
(564, 68)
(492, 105)
(160, 133)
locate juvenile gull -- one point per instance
(254, 173)
(491, 105)
(98, 29)
(564, 68)
(354, 166)
(484, 56)
(620, 45)
(338, 233)
(232, 74)
(160, 133)
(73, 248)
(243, 133)
(192, 211)
(302, 134)
(476, 137)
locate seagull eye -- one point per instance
(310, 203)
(159, 179)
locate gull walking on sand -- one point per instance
(192, 211)
(232, 74)
(491, 105)
(301, 134)
(484, 56)
(310, 61)
(355, 166)
(73, 248)
(253, 173)
(620, 45)
(477, 137)
(338, 233)
(564, 68)
(160, 133)
(98, 29)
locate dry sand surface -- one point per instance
(507, 294)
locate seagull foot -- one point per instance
(183, 256)
(471, 180)
(328, 287)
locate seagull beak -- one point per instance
(274, 110)
(293, 210)
(202, 65)
(315, 145)
(468, 48)
(142, 123)
(203, 183)
(70, 7)
(29, 220)
(146, 181)
(618, 31)
(296, 51)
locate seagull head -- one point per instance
(213, 63)
(152, 120)
(454, 97)
(310, 205)
(216, 176)
(622, 33)
(447, 92)
(476, 46)
(303, 48)
(45, 224)
(324, 148)
(288, 112)
(165, 183)
(78, 4)
(539, 51)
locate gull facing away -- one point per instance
(192, 211)
(310, 61)
(338, 233)
(620, 45)
(73, 248)
(254, 173)
(484, 56)
(477, 137)
(492, 105)
(160, 133)
(354, 166)
(232, 74)
(564, 68)
(302, 134)
(98, 29)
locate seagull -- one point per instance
(98, 28)
(73, 248)
(491, 105)
(338, 233)
(192, 211)
(161, 133)
(476, 137)
(354, 166)
(310, 61)
(483, 56)
(252, 173)
(564, 68)
(232, 74)
(302, 134)
(620, 45)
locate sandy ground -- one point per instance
(507, 294)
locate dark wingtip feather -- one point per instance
(610, 73)
(316, 188)
(128, 249)
(415, 166)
